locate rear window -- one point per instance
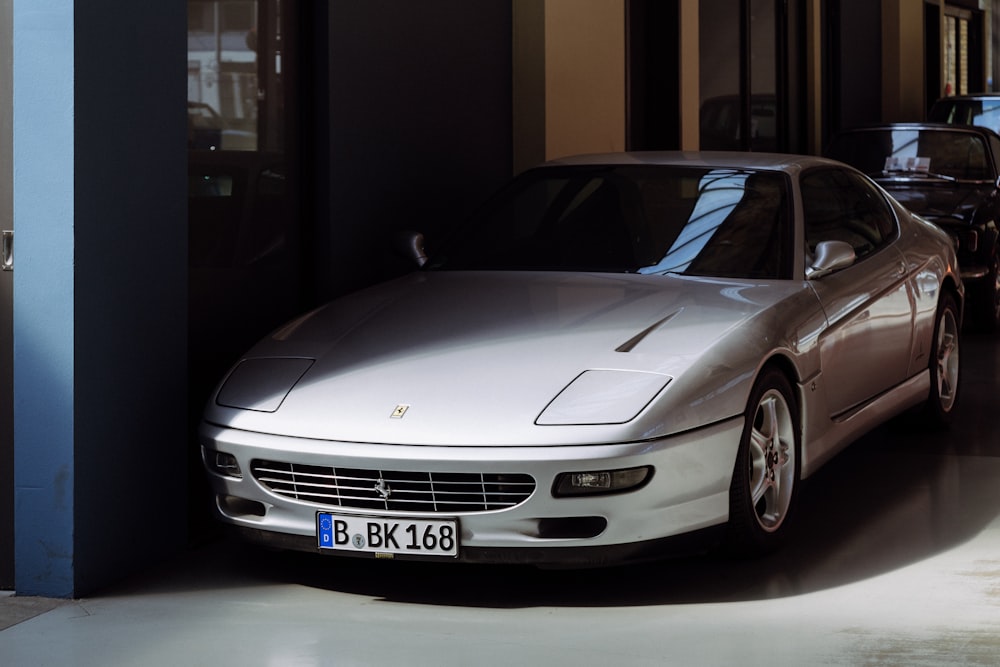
(952, 154)
(984, 113)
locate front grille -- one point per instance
(396, 490)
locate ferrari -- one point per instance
(617, 357)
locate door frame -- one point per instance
(6, 300)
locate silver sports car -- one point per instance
(618, 356)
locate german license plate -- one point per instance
(385, 535)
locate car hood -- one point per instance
(481, 358)
(945, 200)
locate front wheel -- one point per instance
(765, 479)
(944, 362)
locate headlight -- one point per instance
(600, 481)
(262, 384)
(603, 397)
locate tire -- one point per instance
(944, 362)
(764, 488)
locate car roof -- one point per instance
(944, 127)
(731, 159)
(969, 96)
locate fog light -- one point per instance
(601, 481)
(223, 464)
(235, 507)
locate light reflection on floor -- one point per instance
(895, 561)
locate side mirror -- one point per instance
(410, 245)
(830, 256)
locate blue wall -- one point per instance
(100, 290)
(43, 296)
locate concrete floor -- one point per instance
(895, 561)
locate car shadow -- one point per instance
(901, 494)
(858, 519)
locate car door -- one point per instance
(866, 347)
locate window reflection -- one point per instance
(622, 218)
(225, 75)
(958, 154)
(723, 100)
(720, 193)
(719, 73)
(244, 253)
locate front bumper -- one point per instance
(972, 272)
(688, 492)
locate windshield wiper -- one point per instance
(911, 172)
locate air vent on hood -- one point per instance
(630, 344)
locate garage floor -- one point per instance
(895, 561)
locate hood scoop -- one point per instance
(632, 342)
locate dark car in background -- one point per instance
(946, 174)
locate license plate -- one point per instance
(387, 535)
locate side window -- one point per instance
(841, 205)
(995, 150)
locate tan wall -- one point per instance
(585, 76)
(690, 98)
(569, 78)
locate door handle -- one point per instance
(7, 251)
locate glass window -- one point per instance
(719, 73)
(983, 112)
(941, 152)
(239, 208)
(721, 62)
(839, 205)
(238, 16)
(995, 149)
(229, 73)
(694, 221)
(956, 55)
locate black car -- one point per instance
(946, 174)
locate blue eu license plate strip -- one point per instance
(395, 535)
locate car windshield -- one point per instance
(914, 152)
(703, 221)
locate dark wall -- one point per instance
(932, 54)
(130, 289)
(413, 126)
(654, 80)
(853, 53)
